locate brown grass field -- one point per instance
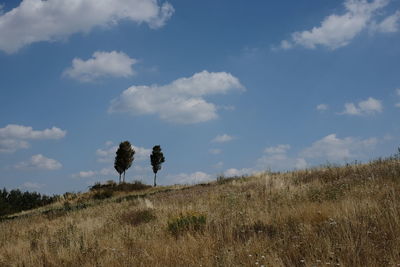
(326, 216)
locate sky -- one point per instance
(227, 87)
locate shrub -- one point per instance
(138, 217)
(113, 187)
(191, 222)
(103, 194)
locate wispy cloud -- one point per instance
(337, 31)
(32, 186)
(322, 107)
(389, 25)
(398, 94)
(189, 178)
(223, 138)
(90, 174)
(215, 151)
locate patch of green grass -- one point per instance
(191, 222)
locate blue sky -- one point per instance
(225, 87)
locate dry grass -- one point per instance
(331, 216)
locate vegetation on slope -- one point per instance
(15, 201)
(338, 216)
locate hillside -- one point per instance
(327, 216)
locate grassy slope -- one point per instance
(347, 216)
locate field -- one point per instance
(326, 216)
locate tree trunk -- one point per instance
(119, 178)
(155, 179)
(124, 178)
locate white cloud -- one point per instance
(286, 45)
(366, 107)
(84, 174)
(222, 138)
(13, 131)
(238, 172)
(180, 101)
(279, 149)
(32, 186)
(333, 148)
(12, 145)
(14, 137)
(337, 31)
(322, 107)
(102, 64)
(398, 94)
(90, 174)
(192, 178)
(52, 20)
(301, 163)
(276, 158)
(107, 154)
(39, 162)
(215, 151)
(388, 25)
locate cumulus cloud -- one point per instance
(191, 178)
(333, 148)
(337, 31)
(52, 20)
(276, 158)
(367, 107)
(223, 138)
(14, 137)
(102, 64)
(181, 101)
(39, 162)
(239, 172)
(107, 154)
(322, 107)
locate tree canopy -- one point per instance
(124, 158)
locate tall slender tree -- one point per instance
(156, 159)
(124, 158)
